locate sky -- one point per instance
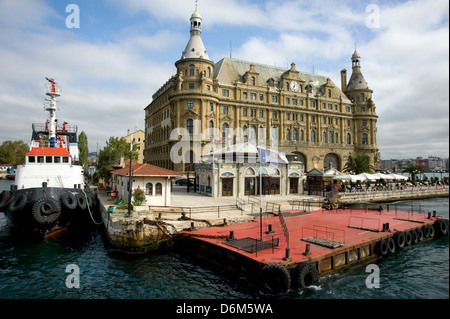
(122, 51)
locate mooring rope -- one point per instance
(89, 209)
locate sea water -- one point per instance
(33, 269)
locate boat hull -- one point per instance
(49, 210)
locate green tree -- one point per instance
(413, 170)
(115, 148)
(13, 152)
(83, 147)
(358, 164)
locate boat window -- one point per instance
(49, 159)
(65, 159)
(57, 159)
(40, 159)
(31, 159)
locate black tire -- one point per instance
(415, 237)
(391, 245)
(382, 247)
(432, 232)
(420, 235)
(6, 197)
(81, 200)
(400, 240)
(18, 203)
(304, 275)
(426, 231)
(274, 278)
(408, 238)
(441, 227)
(46, 210)
(69, 200)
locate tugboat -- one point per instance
(49, 191)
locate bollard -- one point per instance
(269, 231)
(434, 213)
(429, 215)
(159, 215)
(193, 227)
(231, 237)
(308, 250)
(387, 227)
(287, 256)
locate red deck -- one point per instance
(331, 225)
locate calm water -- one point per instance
(32, 270)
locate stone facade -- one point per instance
(301, 113)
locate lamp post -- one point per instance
(130, 179)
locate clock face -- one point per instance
(294, 86)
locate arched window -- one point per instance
(211, 128)
(332, 159)
(225, 128)
(190, 126)
(324, 137)
(302, 135)
(295, 134)
(336, 138)
(253, 132)
(191, 69)
(158, 189)
(245, 131)
(313, 136)
(349, 138)
(288, 134)
(209, 72)
(253, 80)
(329, 93)
(365, 139)
(149, 189)
(330, 137)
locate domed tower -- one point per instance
(194, 100)
(360, 94)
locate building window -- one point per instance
(158, 189)
(294, 101)
(324, 105)
(274, 99)
(225, 92)
(149, 189)
(302, 135)
(288, 116)
(349, 138)
(190, 105)
(274, 115)
(274, 133)
(252, 81)
(324, 120)
(252, 112)
(191, 86)
(244, 95)
(245, 131)
(324, 137)
(253, 132)
(253, 96)
(288, 101)
(244, 111)
(225, 128)
(312, 103)
(330, 106)
(288, 134)
(225, 110)
(211, 106)
(336, 138)
(295, 134)
(300, 102)
(348, 122)
(329, 93)
(261, 97)
(190, 126)
(313, 136)
(330, 137)
(313, 119)
(364, 122)
(365, 139)
(211, 128)
(261, 113)
(191, 69)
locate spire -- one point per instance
(357, 81)
(195, 48)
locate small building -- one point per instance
(153, 180)
(236, 171)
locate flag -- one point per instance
(271, 156)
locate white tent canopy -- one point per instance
(367, 176)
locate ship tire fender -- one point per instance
(415, 237)
(408, 238)
(420, 235)
(6, 197)
(274, 278)
(441, 227)
(81, 200)
(304, 275)
(69, 200)
(18, 203)
(382, 247)
(391, 245)
(426, 231)
(400, 240)
(46, 210)
(90, 197)
(432, 232)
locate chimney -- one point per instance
(344, 80)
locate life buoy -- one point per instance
(382, 247)
(18, 203)
(400, 240)
(408, 238)
(304, 275)
(46, 210)
(81, 200)
(69, 200)
(5, 199)
(274, 278)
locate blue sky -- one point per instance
(124, 50)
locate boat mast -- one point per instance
(53, 90)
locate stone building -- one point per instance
(206, 103)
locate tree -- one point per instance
(358, 164)
(413, 170)
(83, 147)
(115, 148)
(13, 152)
